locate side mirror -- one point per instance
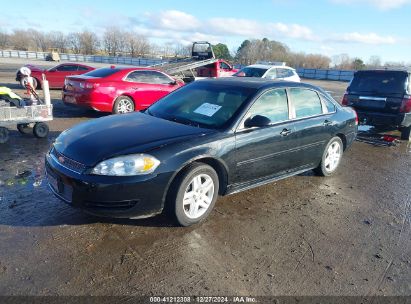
(257, 121)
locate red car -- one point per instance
(55, 75)
(118, 89)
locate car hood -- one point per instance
(115, 135)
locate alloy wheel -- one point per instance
(198, 196)
(333, 157)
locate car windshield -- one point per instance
(103, 72)
(202, 104)
(379, 82)
(251, 72)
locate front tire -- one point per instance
(123, 104)
(406, 133)
(331, 158)
(193, 194)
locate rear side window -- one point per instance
(306, 102)
(379, 82)
(148, 77)
(328, 104)
(283, 73)
(103, 72)
(272, 104)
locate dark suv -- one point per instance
(382, 98)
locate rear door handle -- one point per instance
(285, 132)
(327, 122)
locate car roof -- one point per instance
(268, 66)
(403, 69)
(258, 83)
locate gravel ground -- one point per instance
(344, 235)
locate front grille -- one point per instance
(115, 206)
(67, 162)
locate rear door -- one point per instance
(146, 87)
(313, 124)
(377, 91)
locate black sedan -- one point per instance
(209, 138)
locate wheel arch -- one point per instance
(343, 139)
(213, 162)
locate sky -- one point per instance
(360, 28)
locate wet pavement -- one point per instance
(344, 235)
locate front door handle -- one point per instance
(285, 132)
(327, 122)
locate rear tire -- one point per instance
(24, 128)
(193, 194)
(331, 158)
(123, 104)
(41, 130)
(406, 133)
(4, 135)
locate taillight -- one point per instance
(406, 104)
(345, 100)
(356, 116)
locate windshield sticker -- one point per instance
(207, 109)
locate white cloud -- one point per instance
(370, 38)
(380, 4)
(173, 20)
(180, 27)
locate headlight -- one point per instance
(129, 165)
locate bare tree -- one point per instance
(89, 42)
(343, 62)
(374, 62)
(21, 40)
(40, 39)
(4, 39)
(136, 45)
(74, 42)
(59, 40)
(114, 41)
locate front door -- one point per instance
(262, 152)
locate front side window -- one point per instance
(224, 66)
(66, 68)
(82, 68)
(306, 102)
(273, 105)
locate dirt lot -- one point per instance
(344, 235)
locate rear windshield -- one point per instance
(379, 82)
(103, 72)
(251, 72)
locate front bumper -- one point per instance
(384, 119)
(108, 196)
